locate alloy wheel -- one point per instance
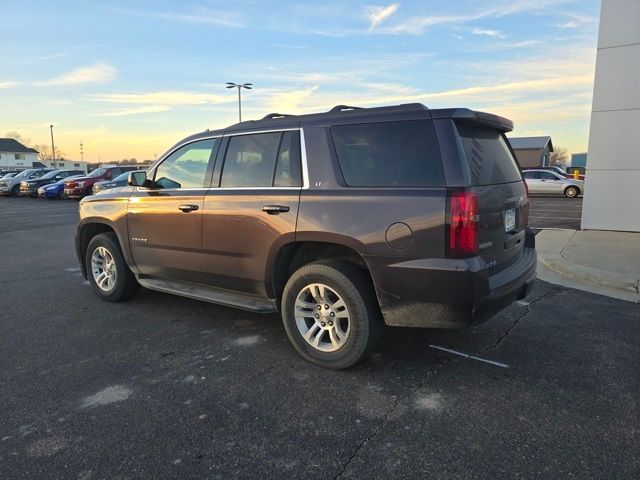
(103, 268)
(322, 317)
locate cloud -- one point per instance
(202, 15)
(96, 73)
(7, 84)
(378, 14)
(488, 33)
(165, 98)
(417, 24)
(569, 24)
(134, 111)
(51, 57)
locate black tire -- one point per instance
(61, 195)
(126, 285)
(15, 191)
(355, 288)
(571, 192)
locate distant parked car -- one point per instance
(29, 188)
(11, 186)
(546, 182)
(55, 190)
(560, 171)
(8, 174)
(83, 186)
(119, 181)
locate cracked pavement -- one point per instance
(166, 387)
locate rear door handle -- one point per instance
(188, 208)
(275, 209)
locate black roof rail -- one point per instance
(277, 115)
(342, 108)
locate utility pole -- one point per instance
(53, 146)
(239, 86)
(81, 152)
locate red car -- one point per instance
(83, 186)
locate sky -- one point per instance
(131, 78)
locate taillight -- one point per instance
(526, 188)
(463, 224)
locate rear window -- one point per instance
(488, 155)
(389, 154)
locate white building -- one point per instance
(611, 199)
(16, 156)
(67, 165)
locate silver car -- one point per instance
(546, 182)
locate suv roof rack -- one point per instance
(277, 115)
(342, 108)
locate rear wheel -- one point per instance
(107, 270)
(571, 192)
(331, 314)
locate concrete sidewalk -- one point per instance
(602, 262)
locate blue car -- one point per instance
(55, 190)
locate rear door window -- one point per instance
(263, 160)
(488, 156)
(389, 154)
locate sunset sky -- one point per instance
(129, 79)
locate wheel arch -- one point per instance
(293, 255)
(87, 231)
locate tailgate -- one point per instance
(503, 206)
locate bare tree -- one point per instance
(16, 136)
(44, 153)
(559, 156)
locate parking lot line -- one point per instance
(472, 357)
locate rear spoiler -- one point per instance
(478, 118)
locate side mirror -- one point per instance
(137, 179)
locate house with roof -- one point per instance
(16, 156)
(532, 152)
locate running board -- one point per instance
(227, 298)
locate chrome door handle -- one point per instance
(275, 209)
(188, 208)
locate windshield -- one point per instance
(8, 175)
(122, 176)
(98, 172)
(49, 175)
(24, 173)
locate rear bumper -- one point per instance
(450, 293)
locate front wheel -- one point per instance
(331, 314)
(571, 192)
(15, 191)
(107, 270)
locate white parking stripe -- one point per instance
(472, 357)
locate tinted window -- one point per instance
(389, 154)
(186, 167)
(547, 176)
(98, 172)
(288, 171)
(488, 155)
(529, 175)
(250, 160)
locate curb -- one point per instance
(598, 278)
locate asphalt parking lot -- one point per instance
(167, 387)
(555, 212)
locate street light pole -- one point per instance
(81, 152)
(240, 86)
(53, 146)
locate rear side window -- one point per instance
(488, 155)
(389, 154)
(263, 160)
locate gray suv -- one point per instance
(11, 186)
(342, 221)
